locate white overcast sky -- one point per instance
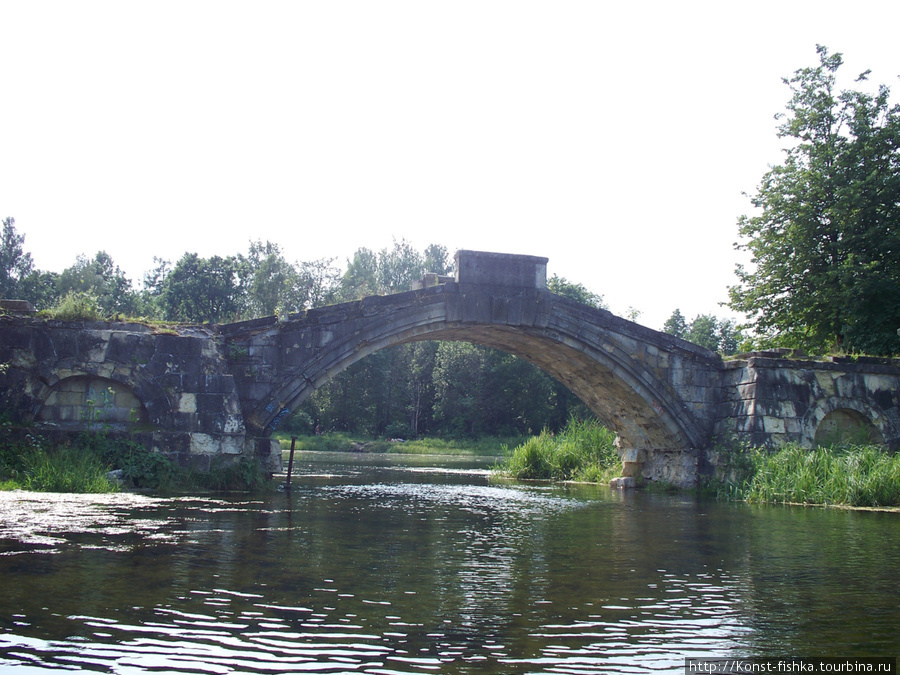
(614, 138)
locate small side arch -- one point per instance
(87, 399)
(839, 419)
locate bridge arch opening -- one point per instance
(440, 388)
(624, 397)
(81, 399)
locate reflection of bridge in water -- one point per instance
(210, 391)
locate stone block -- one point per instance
(501, 269)
(204, 444)
(187, 403)
(773, 425)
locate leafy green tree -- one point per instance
(704, 331)
(459, 380)
(577, 292)
(15, 263)
(437, 259)
(676, 325)
(202, 289)
(825, 243)
(101, 278)
(399, 266)
(361, 277)
(320, 281)
(40, 289)
(270, 283)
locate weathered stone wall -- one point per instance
(769, 400)
(172, 390)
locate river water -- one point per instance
(392, 565)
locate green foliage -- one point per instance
(488, 446)
(676, 325)
(577, 292)
(84, 464)
(31, 464)
(245, 475)
(76, 306)
(718, 335)
(399, 266)
(583, 451)
(273, 285)
(852, 475)
(202, 289)
(825, 270)
(15, 263)
(101, 279)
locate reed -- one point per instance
(855, 475)
(583, 451)
(340, 442)
(69, 469)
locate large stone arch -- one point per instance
(631, 377)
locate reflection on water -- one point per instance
(416, 569)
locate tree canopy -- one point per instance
(825, 240)
(15, 263)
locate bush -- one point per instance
(585, 451)
(76, 306)
(83, 466)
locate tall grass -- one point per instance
(83, 466)
(584, 451)
(340, 442)
(70, 469)
(853, 475)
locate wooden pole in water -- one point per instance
(287, 484)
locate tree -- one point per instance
(399, 267)
(361, 277)
(704, 331)
(825, 243)
(676, 325)
(101, 278)
(320, 281)
(15, 263)
(202, 289)
(437, 259)
(577, 292)
(271, 284)
(721, 335)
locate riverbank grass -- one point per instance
(84, 466)
(853, 475)
(583, 451)
(340, 442)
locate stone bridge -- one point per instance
(207, 392)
